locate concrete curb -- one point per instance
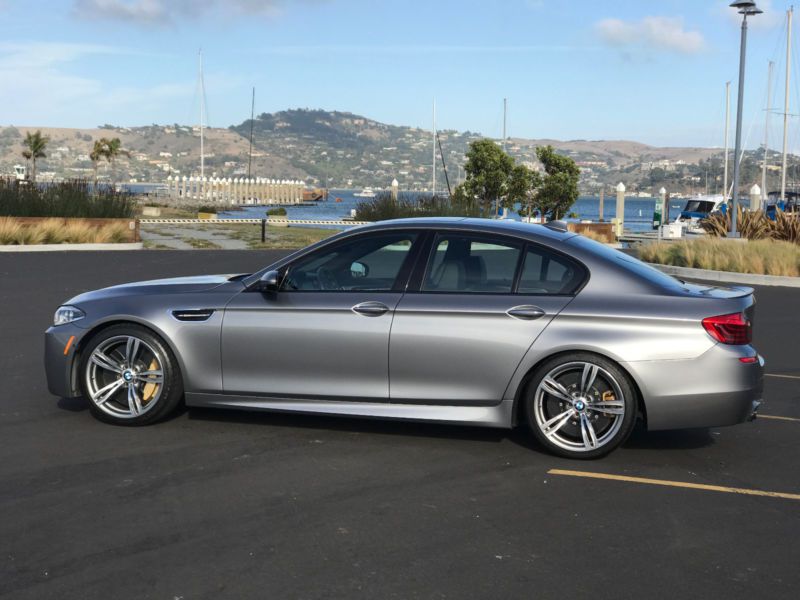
(729, 276)
(69, 247)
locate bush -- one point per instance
(54, 231)
(762, 257)
(755, 225)
(10, 230)
(408, 204)
(276, 212)
(207, 209)
(75, 199)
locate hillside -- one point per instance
(346, 150)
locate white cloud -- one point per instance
(172, 12)
(45, 92)
(659, 33)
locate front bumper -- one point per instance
(60, 357)
(713, 390)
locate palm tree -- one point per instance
(97, 154)
(114, 149)
(34, 148)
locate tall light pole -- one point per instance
(745, 8)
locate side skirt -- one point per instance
(486, 416)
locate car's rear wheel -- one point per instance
(130, 376)
(580, 405)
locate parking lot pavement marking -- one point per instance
(679, 484)
(777, 418)
(782, 376)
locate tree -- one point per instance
(115, 149)
(523, 184)
(559, 188)
(97, 154)
(35, 145)
(488, 169)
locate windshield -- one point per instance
(702, 206)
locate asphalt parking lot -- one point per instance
(219, 504)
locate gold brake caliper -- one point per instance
(149, 389)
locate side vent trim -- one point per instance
(194, 315)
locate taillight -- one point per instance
(729, 329)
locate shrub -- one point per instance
(383, 207)
(755, 225)
(763, 257)
(207, 209)
(276, 212)
(79, 232)
(114, 233)
(53, 231)
(75, 198)
(9, 230)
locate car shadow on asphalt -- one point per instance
(678, 439)
(640, 439)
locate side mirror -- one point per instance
(269, 281)
(358, 270)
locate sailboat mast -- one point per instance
(786, 100)
(202, 119)
(727, 127)
(766, 133)
(505, 111)
(252, 122)
(433, 163)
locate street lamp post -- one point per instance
(746, 8)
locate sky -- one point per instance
(640, 70)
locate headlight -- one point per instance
(67, 314)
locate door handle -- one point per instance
(370, 309)
(526, 312)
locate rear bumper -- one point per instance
(713, 390)
(59, 360)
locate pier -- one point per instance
(234, 191)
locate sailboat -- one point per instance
(702, 206)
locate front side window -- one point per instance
(470, 264)
(368, 263)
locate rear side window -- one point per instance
(545, 272)
(470, 264)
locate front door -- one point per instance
(481, 303)
(325, 333)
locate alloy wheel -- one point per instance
(125, 376)
(579, 406)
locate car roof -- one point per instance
(503, 226)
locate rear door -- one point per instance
(464, 325)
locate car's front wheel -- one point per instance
(580, 405)
(130, 376)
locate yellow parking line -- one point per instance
(777, 418)
(679, 484)
(783, 376)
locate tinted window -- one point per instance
(367, 263)
(545, 272)
(463, 263)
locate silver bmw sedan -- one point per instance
(464, 321)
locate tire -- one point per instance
(130, 376)
(580, 405)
